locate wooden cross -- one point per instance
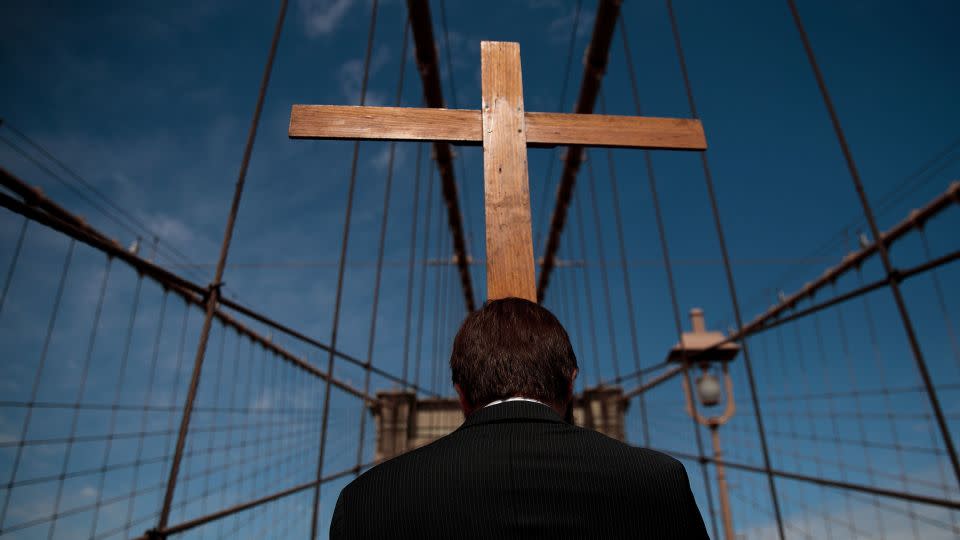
(505, 129)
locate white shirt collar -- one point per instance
(515, 398)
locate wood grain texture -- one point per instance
(506, 188)
(465, 127)
(384, 123)
(614, 131)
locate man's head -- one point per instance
(512, 347)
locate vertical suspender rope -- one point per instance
(341, 270)
(13, 262)
(891, 421)
(891, 272)
(802, 365)
(144, 415)
(380, 248)
(214, 293)
(423, 278)
(668, 267)
(439, 288)
(468, 221)
(555, 155)
(858, 408)
(81, 387)
(598, 379)
(411, 268)
(228, 450)
(944, 312)
(181, 345)
(731, 286)
(218, 370)
(25, 426)
(628, 290)
(111, 428)
(831, 412)
(604, 281)
(575, 296)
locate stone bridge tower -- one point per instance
(405, 422)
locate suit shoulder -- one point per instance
(394, 467)
(638, 452)
(664, 460)
(638, 455)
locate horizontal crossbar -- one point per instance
(466, 127)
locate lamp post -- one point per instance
(704, 349)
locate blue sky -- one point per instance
(150, 103)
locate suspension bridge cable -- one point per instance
(136, 223)
(785, 380)
(411, 268)
(214, 290)
(340, 275)
(191, 268)
(627, 289)
(174, 400)
(423, 277)
(151, 379)
(822, 354)
(13, 262)
(112, 424)
(924, 174)
(852, 382)
(728, 271)
(380, 249)
(562, 303)
(449, 322)
(604, 281)
(439, 291)
(540, 223)
(882, 373)
(889, 269)
(941, 303)
(229, 434)
(132, 222)
(598, 379)
(35, 387)
(667, 265)
(801, 362)
(575, 295)
(81, 387)
(453, 94)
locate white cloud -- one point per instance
(321, 17)
(170, 229)
(350, 77)
(381, 160)
(812, 518)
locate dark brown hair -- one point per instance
(513, 347)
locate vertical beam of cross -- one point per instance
(506, 188)
(505, 130)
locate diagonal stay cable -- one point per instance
(667, 264)
(894, 285)
(214, 291)
(560, 106)
(380, 249)
(728, 271)
(341, 270)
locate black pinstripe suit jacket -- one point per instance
(517, 470)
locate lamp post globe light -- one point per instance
(708, 389)
(711, 352)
